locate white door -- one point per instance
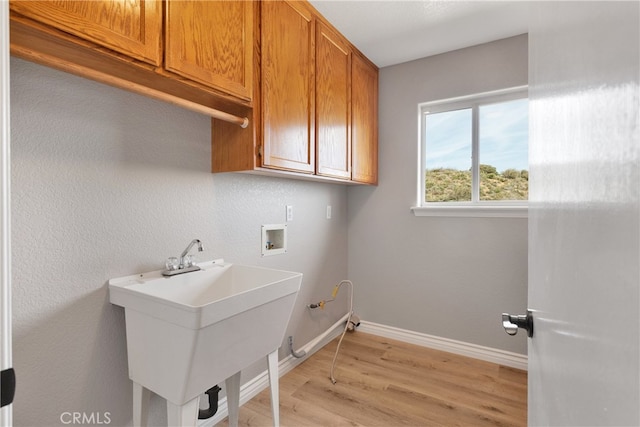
(584, 233)
(5, 220)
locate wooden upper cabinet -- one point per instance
(129, 27)
(211, 42)
(315, 111)
(288, 86)
(333, 85)
(364, 125)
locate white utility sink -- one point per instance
(189, 332)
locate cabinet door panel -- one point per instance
(288, 87)
(211, 42)
(364, 126)
(132, 27)
(333, 76)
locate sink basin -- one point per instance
(189, 332)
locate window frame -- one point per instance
(475, 207)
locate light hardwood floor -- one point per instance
(382, 382)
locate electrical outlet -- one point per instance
(289, 213)
(328, 211)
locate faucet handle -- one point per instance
(172, 264)
(189, 261)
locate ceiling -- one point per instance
(390, 32)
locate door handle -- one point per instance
(512, 323)
(8, 382)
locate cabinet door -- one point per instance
(333, 77)
(364, 126)
(129, 27)
(288, 86)
(211, 42)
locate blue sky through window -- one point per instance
(448, 140)
(504, 129)
(504, 135)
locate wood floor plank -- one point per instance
(463, 394)
(382, 382)
(298, 412)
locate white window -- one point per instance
(474, 155)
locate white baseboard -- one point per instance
(501, 357)
(254, 386)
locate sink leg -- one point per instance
(272, 361)
(141, 397)
(183, 415)
(232, 384)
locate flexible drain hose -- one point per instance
(347, 318)
(346, 326)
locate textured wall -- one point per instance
(107, 183)
(449, 277)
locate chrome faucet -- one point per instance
(185, 264)
(184, 261)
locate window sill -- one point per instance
(478, 211)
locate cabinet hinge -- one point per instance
(260, 151)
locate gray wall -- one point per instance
(449, 277)
(106, 183)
